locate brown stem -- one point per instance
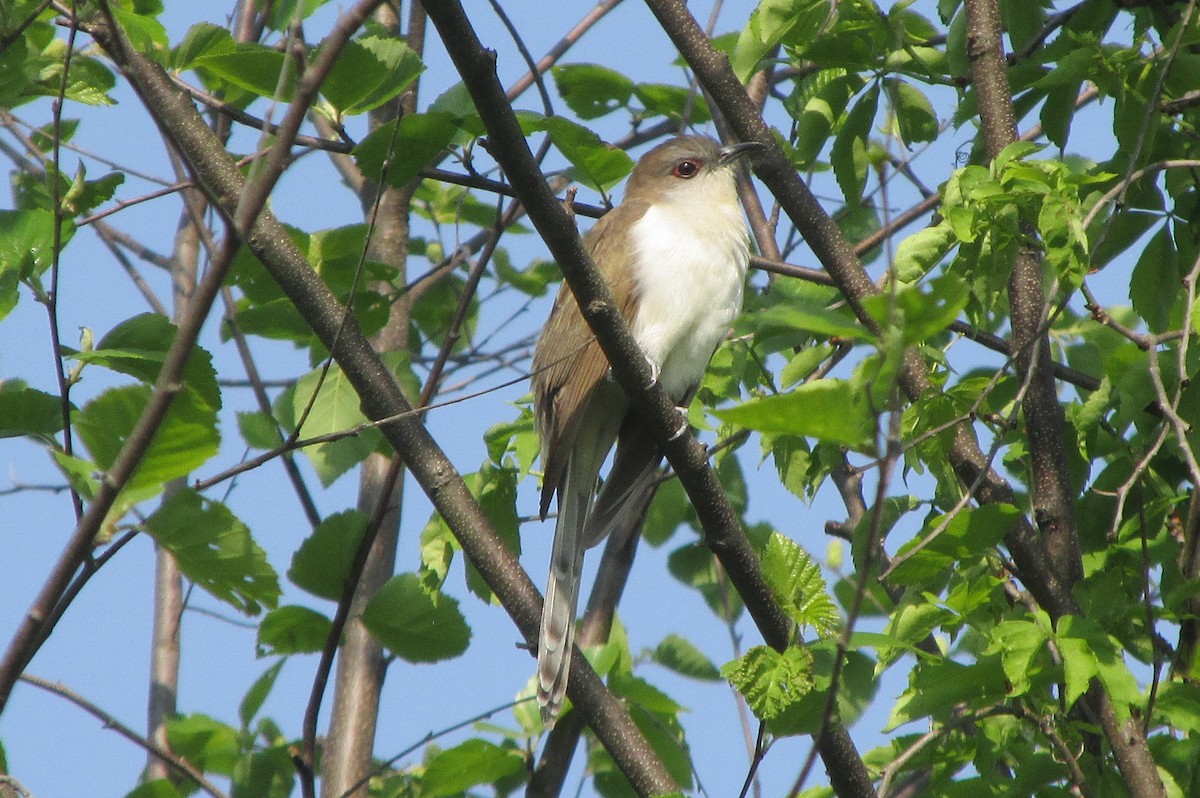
(965, 455)
(381, 397)
(361, 663)
(174, 763)
(1052, 495)
(166, 643)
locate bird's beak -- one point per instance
(736, 151)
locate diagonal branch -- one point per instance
(723, 532)
(218, 176)
(175, 763)
(965, 455)
(1053, 505)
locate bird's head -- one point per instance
(687, 166)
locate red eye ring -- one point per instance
(686, 169)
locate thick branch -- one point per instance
(969, 462)
(687, 456)
(176, 764)
(361, 664)
(381, 397)
(1053, 504)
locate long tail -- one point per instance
(558, 614)
(557, 634)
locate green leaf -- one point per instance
(203, 38)
(9, 293)
(267, 772)
(696, 567)
(1020, 644)
(259, 430)
(817, 103)
(368, 72)
(664, 99)
(185, 440)
(915, 116)
(89, 81)
(281, 15)
(1154, 287)
(911, 624)
(769, 24)
(1179, 704)
(922, 313)
(595, 163)
(849, 154)
(681, 655)
(145, 32)
(437, 551)
(257, 694)
(292, 630)
(74, 195)
(82, 474)
(591, 90)
(939, 690)
(794, 463)
(28, 411)
(1100, 654)
(797, 585)
(803, 314)
(455, 101)
(215, 550)
(828, 410)
(804, 364)
(665, 736)
(921, 251)
(27, 241)
(322, 563)
(856, 690)
(668, 510)
(138, 346)
(414, 624)
(770, 681)
(1079, 666)
(335, 409)
(968, 534)
(1057, 113)
(210, 745)
(640, 692)
(159, 788)
(496, 491)
(517, 437)
(250, 66)
(406, 146)
(533, 280)
(473, 762)
(1121, 231)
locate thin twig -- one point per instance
(176, 763)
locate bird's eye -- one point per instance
(686, 169)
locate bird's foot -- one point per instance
(655, 371)
(683, 423)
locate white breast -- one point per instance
(691, 256)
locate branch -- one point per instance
(1051, 491)
(40, 618)
(218, 176)
(175, 763)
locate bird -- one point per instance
(674, 254)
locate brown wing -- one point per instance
(568, 363)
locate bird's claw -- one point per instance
(654, 371)
(683, 423)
